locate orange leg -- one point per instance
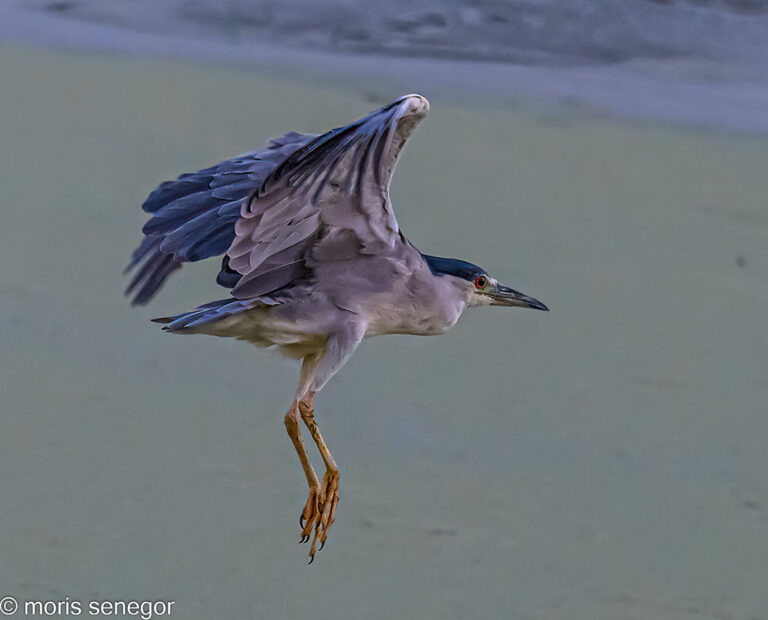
(329, 488)
(311, 513)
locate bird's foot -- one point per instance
(311, 513)
(319, 512)
(329, 499)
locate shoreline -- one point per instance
(702, 94)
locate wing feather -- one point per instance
(194, 216)
(303, 198)
(337, 183)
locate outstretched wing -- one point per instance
(330, 196)
(194, 216)
(271, 208)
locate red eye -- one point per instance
(481, 282)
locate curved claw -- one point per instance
(318, 514)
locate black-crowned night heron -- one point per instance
(314, 259)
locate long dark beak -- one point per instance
(505, 296)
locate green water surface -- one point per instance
(606, 460)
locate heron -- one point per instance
(314, 260)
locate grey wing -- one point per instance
(328, 200)
(194, 217)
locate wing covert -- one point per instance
(334, 185)
(304, 198)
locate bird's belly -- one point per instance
(262, 328)
(414, 325)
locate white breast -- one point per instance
(423, 309)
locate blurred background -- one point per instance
(606, 460)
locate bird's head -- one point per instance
(477, 287)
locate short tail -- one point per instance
(208, 313)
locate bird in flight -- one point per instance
(315, 262)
